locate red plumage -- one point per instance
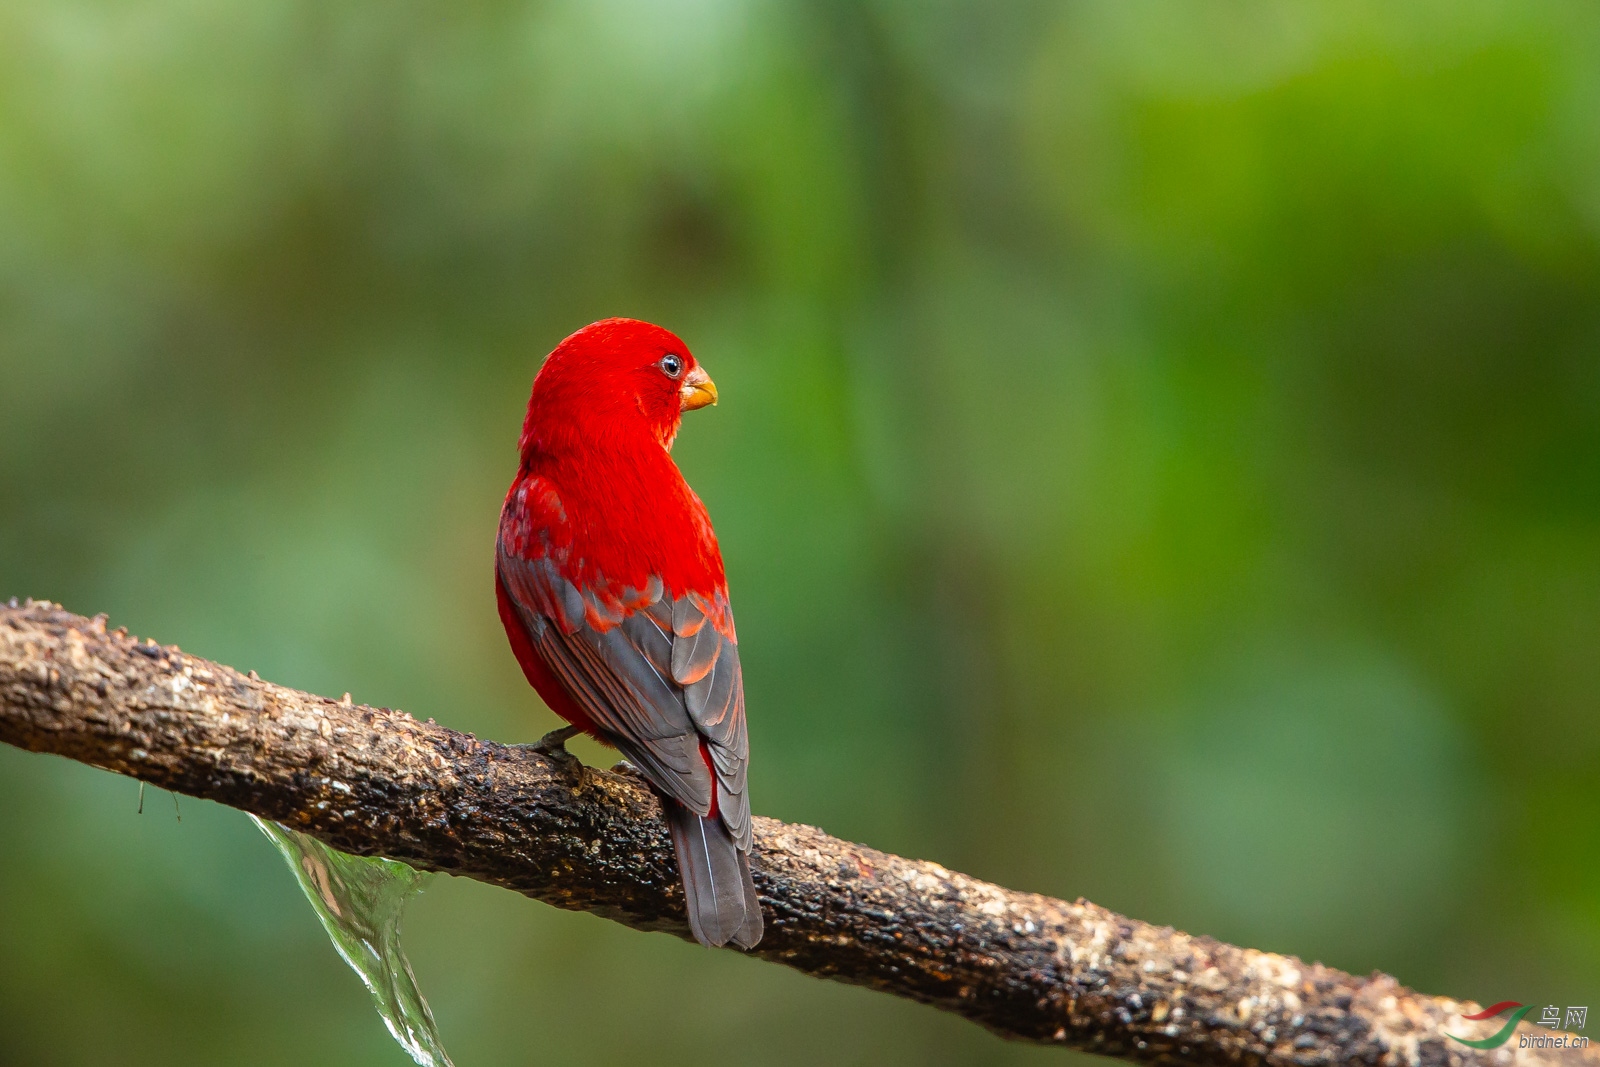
(611, 588)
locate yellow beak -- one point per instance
(697, 391)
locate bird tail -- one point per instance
(722, 898)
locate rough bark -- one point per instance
(376, 781)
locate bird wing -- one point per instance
(659, 674)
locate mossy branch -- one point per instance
(374, 781)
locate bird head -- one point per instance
(615, 379)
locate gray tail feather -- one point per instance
(721, 896)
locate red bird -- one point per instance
(611, 590)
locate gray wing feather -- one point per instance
(695, 654)
(657, 679)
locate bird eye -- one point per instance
(671, 365)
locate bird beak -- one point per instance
(697, 391)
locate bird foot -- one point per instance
(554, 744)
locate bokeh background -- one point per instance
(1159, 461)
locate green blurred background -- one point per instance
(1159, 461)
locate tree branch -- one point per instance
(377, 782)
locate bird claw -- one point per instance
(554, 744)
